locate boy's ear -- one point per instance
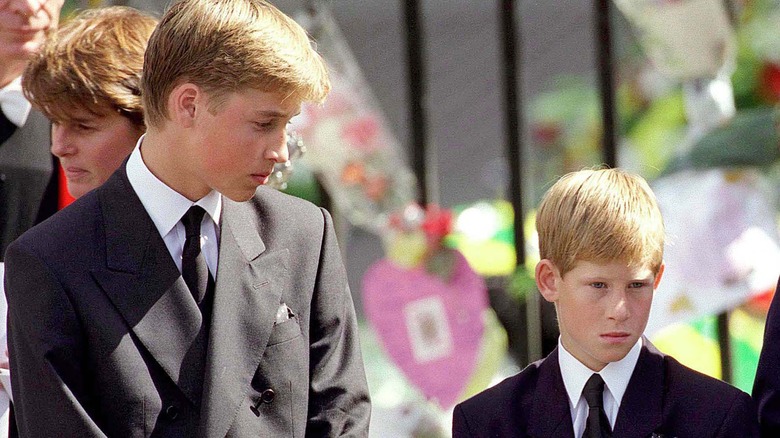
(183, 102)
(546, 280)
(658, 276)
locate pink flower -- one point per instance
(437, 223)
(362, 133)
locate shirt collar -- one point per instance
(13, 103)
(616, 375)
(165, 205)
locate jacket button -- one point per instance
(172, 412)
(268, 396)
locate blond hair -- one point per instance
(93, 62)
(600, 215)
(224, 46)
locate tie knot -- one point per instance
(192, 219)
(593, 391)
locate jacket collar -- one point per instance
(550, 413)
(641, 411)
(142, 281)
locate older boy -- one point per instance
(179, 299)
(601, 240)
(87, 80)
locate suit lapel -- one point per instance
(641, 410)
(550, 414)
(246, 298)
(144, 284)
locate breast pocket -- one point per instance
(285, 331)
(281, 383)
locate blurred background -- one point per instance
(448, 120)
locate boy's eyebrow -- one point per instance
(605, 277)
(274, 113)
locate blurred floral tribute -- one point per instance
(427, 306)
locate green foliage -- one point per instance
(522, 284)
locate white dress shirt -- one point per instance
(13, 103)
(616, 376)
(167, 206)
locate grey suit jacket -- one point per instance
(28, 183)
(101, 323)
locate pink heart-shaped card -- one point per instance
(430, 328)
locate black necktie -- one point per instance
(597, 424)
(193, 263)
(201, 284)
(7, 128)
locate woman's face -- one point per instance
(91, 147)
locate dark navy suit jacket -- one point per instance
(766, 389)
(663, 397)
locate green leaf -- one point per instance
(749, 139)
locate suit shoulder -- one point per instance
(720, 408)
(688, 377)
(697, 388)
(63, 229)
(281, 219)
(273, 201)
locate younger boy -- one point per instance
(178, 299)
(601, 239)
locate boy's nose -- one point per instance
(279, 153)
(619, 309)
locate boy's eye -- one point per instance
(598, 285)
(270, 125)
(265, 125)
(637, 285)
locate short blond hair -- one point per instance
(601, 215)
(224, 46)
(93, 62)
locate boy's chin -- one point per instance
(239, 198)
(614, 353)
(238, 195)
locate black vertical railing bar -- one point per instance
(513, 132)
(416, 84)
(724, 339)
(606, 82)
(731, 11)
(513, 123)
(724, 342)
